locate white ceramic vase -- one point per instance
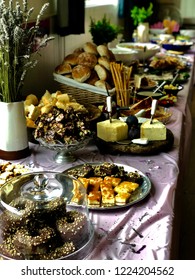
(143, 32)
(14, 137)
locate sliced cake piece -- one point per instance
(94, 198)
(126, 186)
(108, 196)
(113, 180)
(122, 198)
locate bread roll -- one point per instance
(87, 59)
(93, 78)
(102, 72)
(103, 50)
(71, 59)
(90, 47)
(78, 51)
(102, 84)
(111, 56)
(81, 73)
(64, 68)
(104, 61)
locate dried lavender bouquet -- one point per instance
(19, 45)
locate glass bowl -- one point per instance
(64, 151)
(44, 215)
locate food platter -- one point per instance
(136, 196)
(179, 47)
(9, 170)
(163, 61)
(152, 148)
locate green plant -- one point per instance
(19, 43)
(103, 31)
(141, 14)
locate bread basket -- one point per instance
(82, 92)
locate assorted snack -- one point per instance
(34, 108)
(167, 62)
(106, 184)
(62, 126)
(57, 118)
(9, 170)
(142, 108)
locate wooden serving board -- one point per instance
(153, 147)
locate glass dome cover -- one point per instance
(44, 215)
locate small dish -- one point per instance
(125, 56)
(174, 89)
(149, 94)
(162, 114)
(147, 83)
(180, 47)
(157, 31)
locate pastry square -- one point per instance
(84, 181)
(105, 185)
(113, 180)
(126, 186)
(94, 184)
(108, 196)
(94, 198)
(122, 198)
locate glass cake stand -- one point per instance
(64, 152)
(26, 233)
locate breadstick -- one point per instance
(121, 77)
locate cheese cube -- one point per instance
(153, 131)
(112, 131)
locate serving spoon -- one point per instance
(162, 84)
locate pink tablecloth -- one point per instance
(144, 230)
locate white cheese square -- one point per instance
(153, 131)
(112, 131)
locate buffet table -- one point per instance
(143, 231)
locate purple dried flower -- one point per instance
(18, 42)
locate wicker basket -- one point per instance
(83, 93)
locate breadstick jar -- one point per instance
(44, 215)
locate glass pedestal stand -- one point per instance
(64, 152)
